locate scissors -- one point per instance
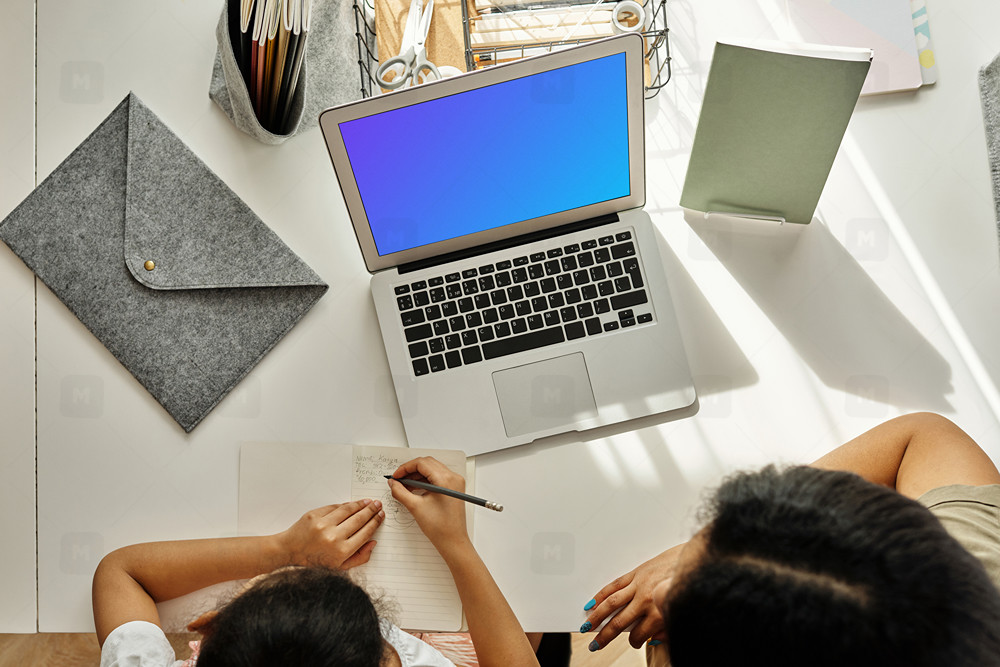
(411, 65)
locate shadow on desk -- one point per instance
(834, 315)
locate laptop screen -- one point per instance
(480, 159)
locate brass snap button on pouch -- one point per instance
(149, 265)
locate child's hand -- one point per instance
(335, 536)
(440, 517)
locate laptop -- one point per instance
(516, 278)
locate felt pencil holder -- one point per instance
(329, 74)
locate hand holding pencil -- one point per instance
(440, 517)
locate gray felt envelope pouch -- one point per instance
(174, 274)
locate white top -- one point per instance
(143, 644)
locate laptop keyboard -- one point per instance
(568, 292)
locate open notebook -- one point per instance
(281, 482)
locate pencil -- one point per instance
(448, 492)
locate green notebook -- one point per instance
(770, 126)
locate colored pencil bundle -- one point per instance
(270, 48)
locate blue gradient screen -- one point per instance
(493, 156)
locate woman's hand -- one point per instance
(631, 595)
(440, 517)
(334, 536)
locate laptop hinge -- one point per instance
(530, 237)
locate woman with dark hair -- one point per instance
(885, 552)
(310, 613)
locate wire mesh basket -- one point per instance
(655, 31)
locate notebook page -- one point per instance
(404, 564)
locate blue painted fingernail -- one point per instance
(590, 605)
(593, 646)
(586, 627)
(654, 642)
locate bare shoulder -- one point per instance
(940, 453)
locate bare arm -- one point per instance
(914, 454)
(130, 581)
(496, 632)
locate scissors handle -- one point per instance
(400, 66)
(423, 67)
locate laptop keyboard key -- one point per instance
(572, 247)
(452, 277)
(522, 308)
(602, 306)
(465, 304)
(498, 297)
(589, 244)
(503, 265)
(485, 334)
(435, 281)
(402, 289)
(597, 273)
(554, 252)
(518, 326)
(454, 290)
(537, 256)
(629, 299)
(420, 284)
(601, 255)
(449, 308)
(623, 250)
(436, 345)
(453, 341)
(453, 359)
(469, 273)
(421, 299)
(539, 303)
(644, 317)
(436, 363)
(471, 355)
(606, 288)
(589, 292)
(623, 236)
(515, 293)
(575, 330)
(437, 295)
(564, 281)
(486, 268)
(469, 337)
(548, 285)
(420, 367)
(433, 312)
(440, 327)
(486, 283)
(552, 267)
(473, 319)
(418, 332)
(585, 259)
(573, 296)
(418, 349)
(606, 240)
(520, 261)
(568, 314)
(482, 301)
(503, 279)
(404, 302)
(593, 325)
(456, 323)
(535, 271)
(535, 322)
(470, 287)
(622, 284)
(585, 309)
(532, 289)
(411, 317)
(506, 311)
(568, 263)
(522, 343)
(551, 317)
(615, 269)
(490, 315)
(556, 300)
(501, 329)
(519, 275)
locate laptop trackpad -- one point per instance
(545, 395)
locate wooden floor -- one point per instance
(80, 650)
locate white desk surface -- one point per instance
(799, 337)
